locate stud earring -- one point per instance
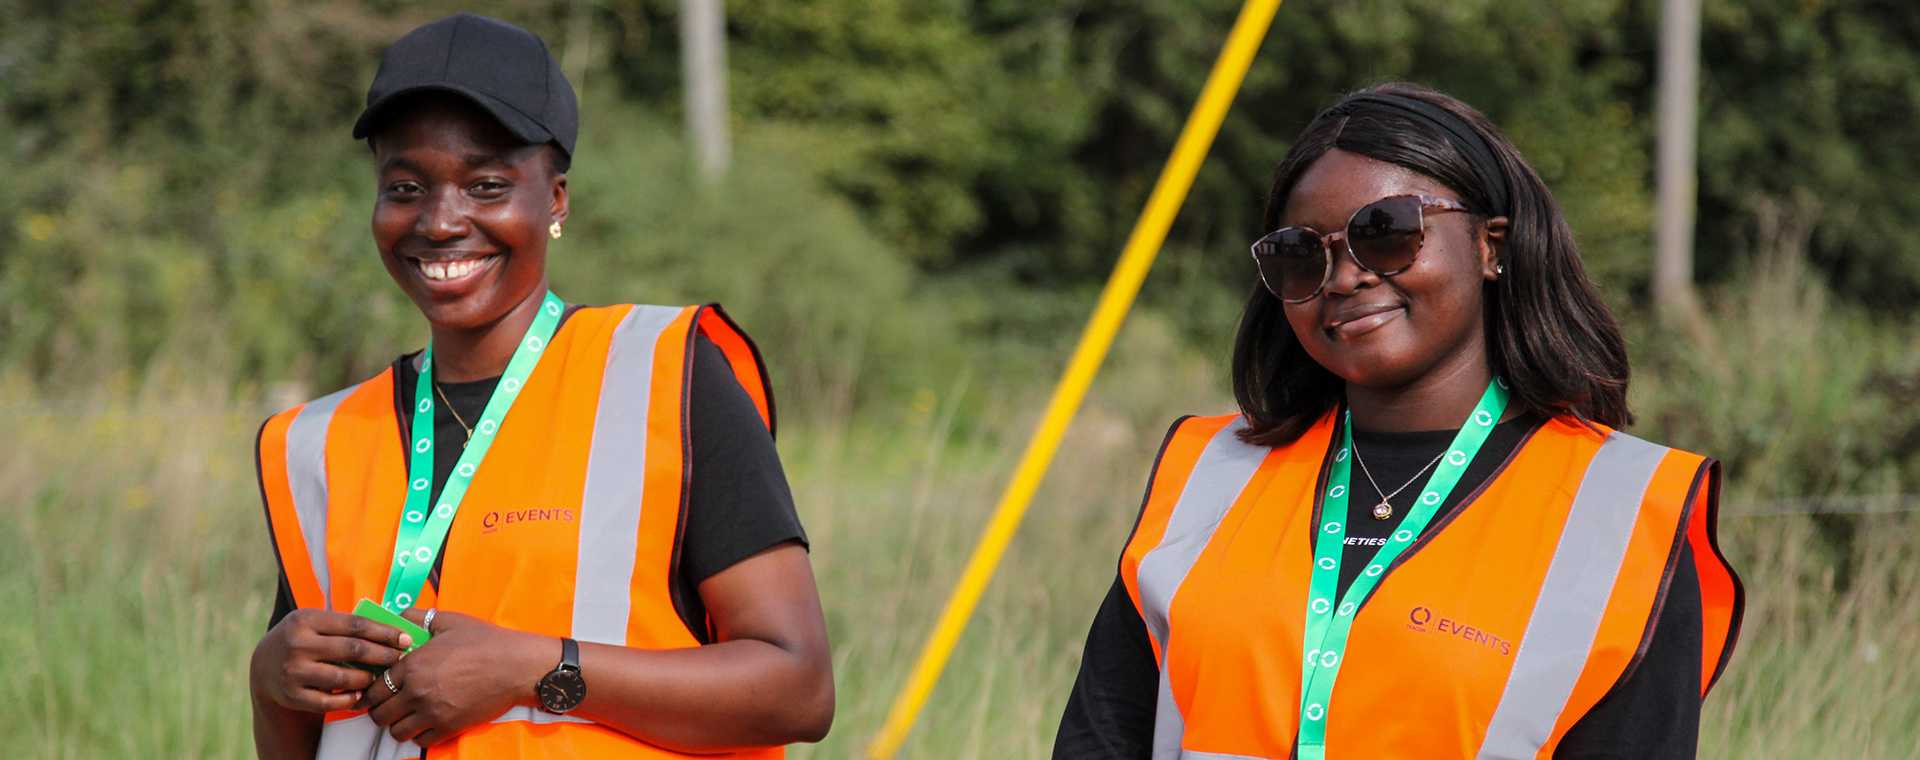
(554, 230)
(1498, 269)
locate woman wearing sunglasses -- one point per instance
(578, 510)
(1423, 534)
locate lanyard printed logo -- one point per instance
(423, 531)
(1327, 622)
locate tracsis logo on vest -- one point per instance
(1423, 620)
(499, 518)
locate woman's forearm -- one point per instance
(769, 680)
(730, 695)
(279, 732)
(742, 693)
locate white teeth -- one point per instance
(439, 271)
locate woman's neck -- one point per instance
(1440, 400)
(462, 355)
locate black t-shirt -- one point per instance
(1653, 714)
(738, 503)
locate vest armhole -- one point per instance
(749, 367)
(1659, 597)
(284, 530)
(266, 509)
(1717, 576)
(675, 594)
(1146, 496)
(1705, 474)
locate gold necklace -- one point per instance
(455, 412)
(1384, 509)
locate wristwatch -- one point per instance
(564, 688)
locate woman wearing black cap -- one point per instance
(1423, 498)
(582, 507)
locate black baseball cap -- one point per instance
(502, 68)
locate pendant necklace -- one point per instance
(468, 429)
(1384, 509)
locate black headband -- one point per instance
(1463, 137)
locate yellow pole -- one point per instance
(1115, 300)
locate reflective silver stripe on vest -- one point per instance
(1223, 470)
(537, 716)
(307, 479)
(1573, 598)
(616, 480)
(359, 738)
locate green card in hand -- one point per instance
(371, 610)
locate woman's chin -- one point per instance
(1377, 370)
(465, 312)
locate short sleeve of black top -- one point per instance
(738, 504)
(1654, 713)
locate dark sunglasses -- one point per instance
(1383, 237)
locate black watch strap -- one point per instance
(564, 687)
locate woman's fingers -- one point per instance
(408, 728)
(298, 663)
(351, 649)
(332, 623)
(315, 700)
(389, 705)
(327, 677)
(375, 696)
(441, 621)
(387, 708)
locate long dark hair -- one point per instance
(1548, 333)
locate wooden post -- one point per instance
(1675, 174)
(703, 63)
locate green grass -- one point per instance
(1821, 673)
(135, 568)
(137, 575)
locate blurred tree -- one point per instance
(1022, 135)
(987, 142)
(1807, 121)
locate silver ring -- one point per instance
(427, 622)
(386, 676)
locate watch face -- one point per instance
(562, 690)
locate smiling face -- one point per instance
(1389, 332)
(462, 212)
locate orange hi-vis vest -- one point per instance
(1490, 637)
(570, 527)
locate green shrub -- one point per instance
(1799, 394)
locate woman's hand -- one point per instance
(467, 674)
(300, 663)
(767, 681)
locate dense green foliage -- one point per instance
(921, 184)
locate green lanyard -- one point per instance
(423, 532)
(1327, 625)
